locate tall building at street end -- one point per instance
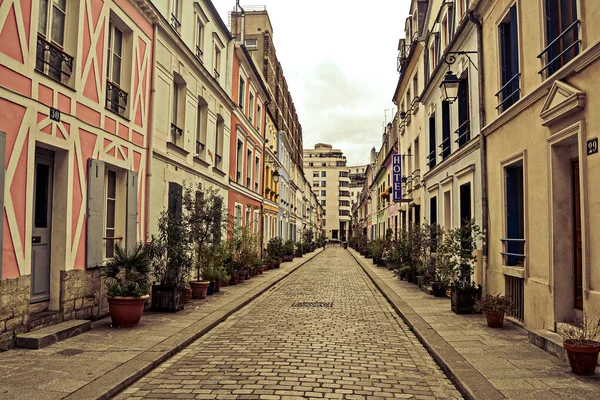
(326, 171)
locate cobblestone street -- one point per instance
(324, 332)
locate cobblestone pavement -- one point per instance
(324, 332)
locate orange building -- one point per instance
(75, 84)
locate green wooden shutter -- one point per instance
(2, 173)
(132, 210)
(95, 213)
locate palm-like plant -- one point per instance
(127, 274)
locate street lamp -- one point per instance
(449, 87)
(275, 176)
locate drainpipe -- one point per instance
(483, 147)
(243, 25)
(150, 148)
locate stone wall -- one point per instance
(81, 294)
(14, 309)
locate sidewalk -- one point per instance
(484, 363)
(99, 363)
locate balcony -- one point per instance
(569, 42)
(52, 61)
(248, 183)
(464, 133)
(175, 23)
(116, 98)
(509, 93)
(199, 147)
(176, 133)
(416, 178)
(199, 52)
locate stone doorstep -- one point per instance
(52, 334)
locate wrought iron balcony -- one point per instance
(116, 98)
(570, 41)
(509, 93)
(199, 147)
(175, 23)
(416, 177)
(199, 52)
(176, 132)
(53, 61)
(464, 133)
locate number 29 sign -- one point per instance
(592, 146)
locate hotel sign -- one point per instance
(397, 177)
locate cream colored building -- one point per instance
(326, 171)
(541, 128)
(191, 106)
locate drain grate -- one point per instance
(313, 304)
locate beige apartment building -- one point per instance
(541, 78)
(326, 171)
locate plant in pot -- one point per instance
(581, 344)
(275, 250)
(170, 253)
(298, 249)
(494, 308)
(127, 279)
(436, 259)
(245, 250)
(460, 244)
(288, 250)
(205, 216)
(376, 250)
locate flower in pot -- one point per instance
(127, 279)
(494, 308)
(275, 250)
(288, 250)
(581, 344)
(245, 245)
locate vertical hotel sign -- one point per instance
(397, 176)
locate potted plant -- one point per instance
(579, 341)
(376, 251)
(170, 254)
(275, 250)
(126, 276)
(494, 308)
(288, 250)
(245, 250)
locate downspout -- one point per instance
(150, 148)
(243, 25)
(483, 147)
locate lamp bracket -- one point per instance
(450, 57)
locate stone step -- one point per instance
(42, 319)
(52, 334)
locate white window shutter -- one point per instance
(95, 213)
(132, 210)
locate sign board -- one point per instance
(592, 146)
(397, 177)
(54, 114)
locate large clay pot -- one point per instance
(582, 359)
(495, 319)
(463, 299)
(234, 279)
(225, 282)
(242, 276)
(188, 295)
(199, 289)
(126, 312)
(217, 286)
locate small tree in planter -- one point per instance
(171, 257)
(127, 279)
(288, 250)
(494, 308)
(411, 249)
(245, 249)
(581, 345)
(205, 215)
(376, 250)
(275, 250)
(321, 240)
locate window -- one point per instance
(323, 164)
(240, 156)
(242, 93)
(176, 15)
(199, 37)
(464, 125)
(220, 135)
(255, 221)
(310, 164)
(323, 174)
(433, 221)
(416, 83)
(447, 210)
(258, 117)
(116, 98)
(176, 130)
(562, 35)
(323, 193)
(323, 183)
(238, 216)
(323, 202)
(51, 58)
(315, 174)
(256, 173)
(248, 169)
(465, 204)
(509, 92)
(248, 218)
(251, 107)
(514, 243)
(315, 184)
(111, 213)
(431, 156)
(217, 61)
(446, 141)
(201, 122)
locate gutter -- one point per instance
(483, 140)
(149, 147)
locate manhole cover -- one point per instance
(313, 304)
(70, 352)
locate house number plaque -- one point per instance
(592, 146)
(54, 114)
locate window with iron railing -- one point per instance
(464, 123)
(510, 91)
(514, 242)
(51, 58)
(446, 141)
(562, 35)
(431, 155)
(116, 98)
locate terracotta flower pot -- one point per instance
(217, 286)
(126, 312)
(495, 319)
(234, 279)
(582, 359)
(225, 282)
(242, 276)
(199, 289)
(188, 295)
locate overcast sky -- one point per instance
(339, 59)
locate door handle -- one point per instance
(36, 239)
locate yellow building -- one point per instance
(540, 133)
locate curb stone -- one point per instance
(116, 380)
(470, 382)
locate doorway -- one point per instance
(577, 270)
(41, 225)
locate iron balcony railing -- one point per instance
(464, 133)
(175, 23)
(555, 46)
(509, 98)
(175, 133)
(445, 146)
(116, 98)
(514, 289)
(515, 257)
(199, 52)
(199, 147)
(416, 177)
(431, 158)
(52, 61)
